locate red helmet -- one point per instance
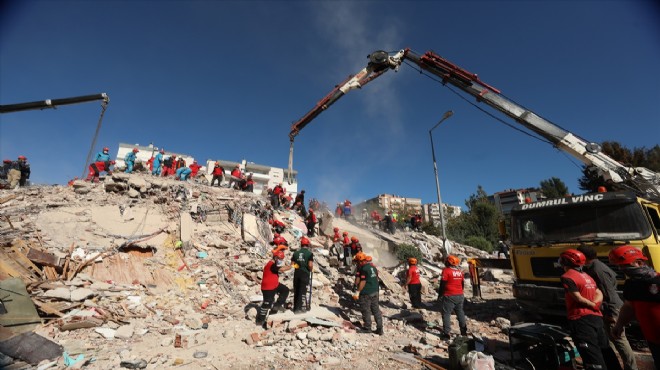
(22, 157)
(112, 162)
(279, 254)
(412, 260)
(173, 156)
(336, 229)
(106, 149)
(625, 255)
(354, 239)
(345, 233)
(135, 150)
(368, 258)
(453, 260)
(572, 257)
(6, 161)
(162, 151)
(304, 241)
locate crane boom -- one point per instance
(52, 103)
(642, 180)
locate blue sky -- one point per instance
(225, 80)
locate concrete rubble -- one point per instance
(142, 272)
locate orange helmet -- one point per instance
(412, 260)
(453, 260)
(359, 257)
(368, 258)
(354, 239)
(625, 255)
(304, 241)
(279, 248)
(572, 257)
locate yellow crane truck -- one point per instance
(540, 231)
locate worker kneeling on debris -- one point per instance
(271, 286)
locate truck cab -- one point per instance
(540, 231)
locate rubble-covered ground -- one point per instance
(144, 272)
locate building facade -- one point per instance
(431, 212)
(505, 200)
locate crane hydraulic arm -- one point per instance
(642, 180)
(52, 103)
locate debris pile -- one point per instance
(143, 272)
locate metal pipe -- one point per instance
(447, 114)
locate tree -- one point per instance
(638, 157)
(480, 220)
(554, 188)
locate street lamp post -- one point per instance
(437, 182)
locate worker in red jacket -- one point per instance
(346, 241)
(96, 168)
(235, 177)
(194, 167)
(218, 174)
(271, 286)
(413, 283)
(311, 223)
(450, 295)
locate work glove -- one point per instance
(356, 296)
(295, 265)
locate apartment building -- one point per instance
(431, 212)
(505, 200)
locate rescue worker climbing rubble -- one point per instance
(310, 222)
(194, 167)
(367, 295)
(303, 262)
(271, 287)
(182, 173)
(129, 159)
(346, 241)
(218, 174)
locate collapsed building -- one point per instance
(146, 272)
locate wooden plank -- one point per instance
(47, 308)
(24, 261)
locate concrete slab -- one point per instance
(316, 312)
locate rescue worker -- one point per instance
(300, 198)
(279, 240)
(183, 173)
(158, 162)
(502, 248)
(310, 222)
(641, 296)
(96, 168)
(347, 209)
(450, 295)
(583, 300)
(180, 163)
(103, 156)
(413, 283)
(271, 287)
(276, 197)
(248, 184)
(416, 221)
(356, 261)
(218, 174)
(347, 249)
(278, 226)
(4, 170)
(389, 223)
(129, 159)
(339, 211)
(194, 167)
(168, 165)
(150, 164)
(367, 295)
(281, 247)
(337, 248)
(19, 172)
(355, 245)
(235, 177)
(303, 262)
(605, 279)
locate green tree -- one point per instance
(480, 220)
(554, 188)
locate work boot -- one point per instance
(464, 331)
(378, 331)
(445, 336)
